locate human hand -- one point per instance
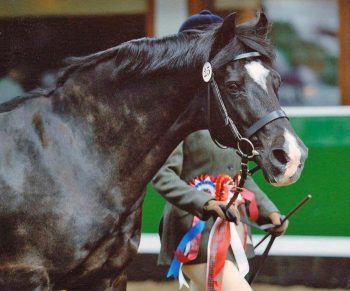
(275, 218)
(214, 207)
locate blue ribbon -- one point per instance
(174, 268)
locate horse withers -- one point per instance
(74, 162)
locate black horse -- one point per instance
(74, 162)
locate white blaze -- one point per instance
(258, 73)
(294, 154)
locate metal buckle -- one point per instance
(246, 148)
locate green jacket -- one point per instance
(196, 155)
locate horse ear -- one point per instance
(262, 24)
(225, 34)
(228, 27)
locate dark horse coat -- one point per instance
(75, 161)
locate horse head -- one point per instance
(243, 77)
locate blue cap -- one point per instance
(204, 17)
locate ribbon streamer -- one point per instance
(180, 251)
(222, 235)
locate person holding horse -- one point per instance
(198, 156)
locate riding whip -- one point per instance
(273, 237)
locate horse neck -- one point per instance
(137, 122)
(166, 115)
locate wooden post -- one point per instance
(246, 15)
(344, 51)
(149, 18)
(195, 6)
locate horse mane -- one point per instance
(149, 55)
(144, 55)
(17, 101)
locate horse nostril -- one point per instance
(281, 156)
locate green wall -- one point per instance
(326, 177)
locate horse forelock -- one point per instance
(247, 39)
(256, 39)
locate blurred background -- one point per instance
(312, 40)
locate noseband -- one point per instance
(245, 147)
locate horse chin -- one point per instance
(277, 176)
(282, 179)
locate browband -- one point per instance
(247, 55)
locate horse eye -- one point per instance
(232, 86)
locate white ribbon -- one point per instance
(182, 280)
(237, 244)
(238, 251)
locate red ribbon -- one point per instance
(221, 238)
(218, 254)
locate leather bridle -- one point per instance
(245, 147)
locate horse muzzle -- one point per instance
(283, 165)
